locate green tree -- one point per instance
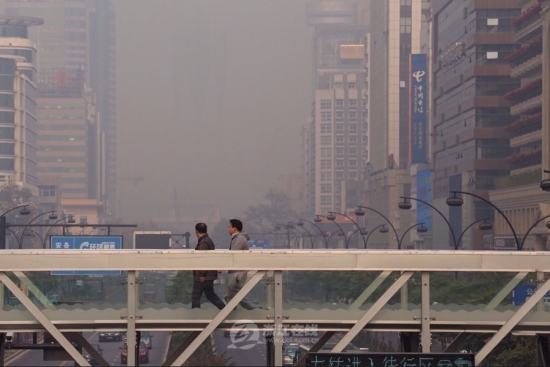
(263, 217)
(12, 195)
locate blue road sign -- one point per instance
(521, 292)
(86, 243)
(258, 243)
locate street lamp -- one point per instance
(332, 217)
(421, 229)
(406, 205)
(485, 226)
(3, 225)
(360, 212)
(52, 215)
(363, 233)
(545, 184)
(70, 219)
(307, 232)
(383, 229)
(301, 224)
(288, 231)
(458, 201)
(333, 220)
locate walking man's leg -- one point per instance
(208, 287)
(240, 281)
(196, 294)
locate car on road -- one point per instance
(289, 351)
(115, 336)
(147, 338)
(91, 360)
(143, 353)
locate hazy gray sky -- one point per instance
(211, 97)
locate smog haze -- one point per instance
(211, 99)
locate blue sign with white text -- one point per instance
(258, 243)
(86, 243)
(418, 108)
(521, 292)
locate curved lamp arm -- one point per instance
(371, 232)
(467, 228)
(354, 222)
(497, 209)
(386, 218)
(407, 231)
(362, 234)
(320, 230)
(339, 226)
(438, 212)
(530, 229)
(308, 233)
(16, 238)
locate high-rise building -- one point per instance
(17, 102)
(471, 74)
(518, 195)
(69, 137)
(395, 34)
(80, 35)
(336, 133)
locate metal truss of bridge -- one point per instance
(397, 276)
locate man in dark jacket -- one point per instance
(203, 280)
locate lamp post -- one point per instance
(301, 223)
(339, 232)
(405, 205)
(331, 216)
(545, 184)
(360, 212)
(458, 201)
(3, 225)
(307, 232)
(363, 233)
(420, 229)
(288, 231)
(382, 229)
(532, 227)
(52, 215)
(332, 219)
(70, 220)
(485, 226)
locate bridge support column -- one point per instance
(543, 351)
(278, 318)
(426, 334)
(131, 319)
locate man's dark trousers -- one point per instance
(208, 288)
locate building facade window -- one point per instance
(326, 152)
(326, 128)
(326, 116)
(326, 200)
(326, 164)
(326, 140)
(326, 188)
(326, 104)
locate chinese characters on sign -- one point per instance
(418, 108)
(390, 360)
(86, 243)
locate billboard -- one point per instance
(418, 108)
(424, 193)
(152, 240)
(86, 243)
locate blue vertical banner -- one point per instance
(424, 193)
(417, 107)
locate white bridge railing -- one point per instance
(36, 311)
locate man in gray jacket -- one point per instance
(237, 278)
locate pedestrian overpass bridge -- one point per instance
(398, 298)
